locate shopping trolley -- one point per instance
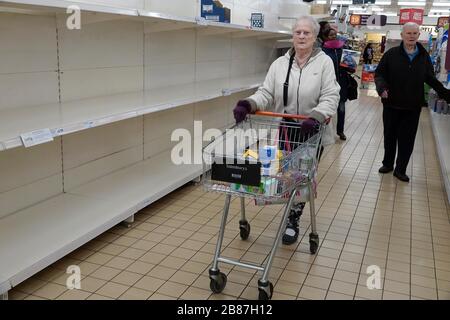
(271, 158)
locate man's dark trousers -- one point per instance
(400, 128)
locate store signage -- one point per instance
(368, 20)
(411, 15)
(442, 21)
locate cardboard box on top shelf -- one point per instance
(214, 10)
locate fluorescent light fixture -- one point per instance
(385, 3)
(342, 1)
(390, 14)
(412, 3)
(440, 10)
(441, 4)
(377, 9)
(437, 15)
(321, 1)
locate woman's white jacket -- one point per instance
(313, 90)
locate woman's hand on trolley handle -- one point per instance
(241, 110)
(310, 126)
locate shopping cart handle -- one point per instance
(285, 115)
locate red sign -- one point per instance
(411, 15)
(355, 19)
(367, 76)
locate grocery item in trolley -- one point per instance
(270, 160)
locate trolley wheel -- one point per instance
(263, 294)
(244, 228)
(218, 283)
(313, 242)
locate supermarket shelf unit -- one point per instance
(69, 117)
(39, 234)
(441, 130)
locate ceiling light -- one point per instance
(342, 1)
(386, 3)
(441, 4)
(412, 3)
(321, 1)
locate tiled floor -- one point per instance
(363, 219)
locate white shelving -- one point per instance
(96, 178)
(70, 117)
(441, 129)
(67, 221)
(160, 21)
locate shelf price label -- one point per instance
(36, 137)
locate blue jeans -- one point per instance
(340, 117)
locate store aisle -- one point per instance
(364, 219)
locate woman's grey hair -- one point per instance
(314, 24)
(410, 25)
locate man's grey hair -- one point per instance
(314, 24)
(410, 25)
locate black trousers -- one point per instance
(340, 117)
(400, 128)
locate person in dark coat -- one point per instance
(333, 48)
(399, 79)
(368, 54)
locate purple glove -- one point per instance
(310, 126)
(241, 110)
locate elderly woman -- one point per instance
(312, 91)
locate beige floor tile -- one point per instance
(143, 244)
(317, 282)
(127, 278)
(424, 293)
(184, 277)
(444, 295)
(184, 253)
(394, 296)
(164, 249)
(48, 274)
(99, 258)
(124, 241)
(337, 296)
(321, 271)
(158, 296)
(135, 294)
(364, 292)
(149, 283)
(172, 289)
(397, 287)
(288, 288)
(105, 273)
(343, 287)
(50, 291)
(162, 272)
(152, 257)
(140, 267)
(32, 297)
(98, 297)
(112, 290)
(423, 281)
(293, 277)
(74, 295)
(31, 285)
(193, 293)
(90, 284)
(312, 293)
(346, 276)
(132, 253)
(119, 263)
(112, 249)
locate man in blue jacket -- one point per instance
(400, 79)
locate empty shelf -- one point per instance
(140, 184)
(34, 238)
(73, 116)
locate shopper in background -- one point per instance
(368, 54)
(312, 90)
(324, 26)
(400, 79)
(333, 48)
